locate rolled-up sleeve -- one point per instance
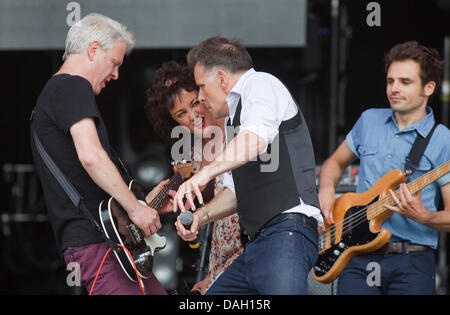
(228, 181)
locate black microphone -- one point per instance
(186, 219)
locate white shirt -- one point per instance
(267, 104)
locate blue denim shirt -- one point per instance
(381, 147)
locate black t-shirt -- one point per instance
(64, 101)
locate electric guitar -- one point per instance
(358, 218)
(120, 229)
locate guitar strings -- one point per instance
(159, 200)
(360, 216)
(413, 187)
(352, 220)
(172, 184)
(357, 218)
(376, 205)
(155, 203)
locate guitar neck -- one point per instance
(163, 195)
(377, 208)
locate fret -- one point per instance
(163, 195)
(331, 259)
(377, 208)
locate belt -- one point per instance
(401, 247)
(286, 216)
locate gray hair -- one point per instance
(97, 27)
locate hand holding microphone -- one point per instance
(186, 219)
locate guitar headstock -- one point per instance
(186, 169)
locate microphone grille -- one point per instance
(186, 218)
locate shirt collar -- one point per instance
(423, 126)
(236, 93)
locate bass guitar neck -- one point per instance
(358, 218)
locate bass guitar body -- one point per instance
(356, 231)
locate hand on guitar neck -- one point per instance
(151, 213)
(411, 206)
(168, 205)
(147, 218)
(408, 205)
(358, 218)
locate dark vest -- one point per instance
(263, 195)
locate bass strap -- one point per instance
(66, 185)
(417, 150)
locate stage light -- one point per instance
(151, 172)
(153, 165)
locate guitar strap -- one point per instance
(417, 150)
(69, 189)
(120, 163)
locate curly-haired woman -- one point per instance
(172, 101)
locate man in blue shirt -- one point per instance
(382, 138)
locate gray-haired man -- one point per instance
(70, 127)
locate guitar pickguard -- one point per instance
(156, 242)
(356, 232)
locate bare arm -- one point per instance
(104, 173)
(222, 205)
(330, 174)
(244, 147)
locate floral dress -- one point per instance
(225, 239)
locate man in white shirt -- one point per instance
(276, 200)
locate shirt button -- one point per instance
(389, 156)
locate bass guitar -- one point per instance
(120, 229)
(358, 218)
